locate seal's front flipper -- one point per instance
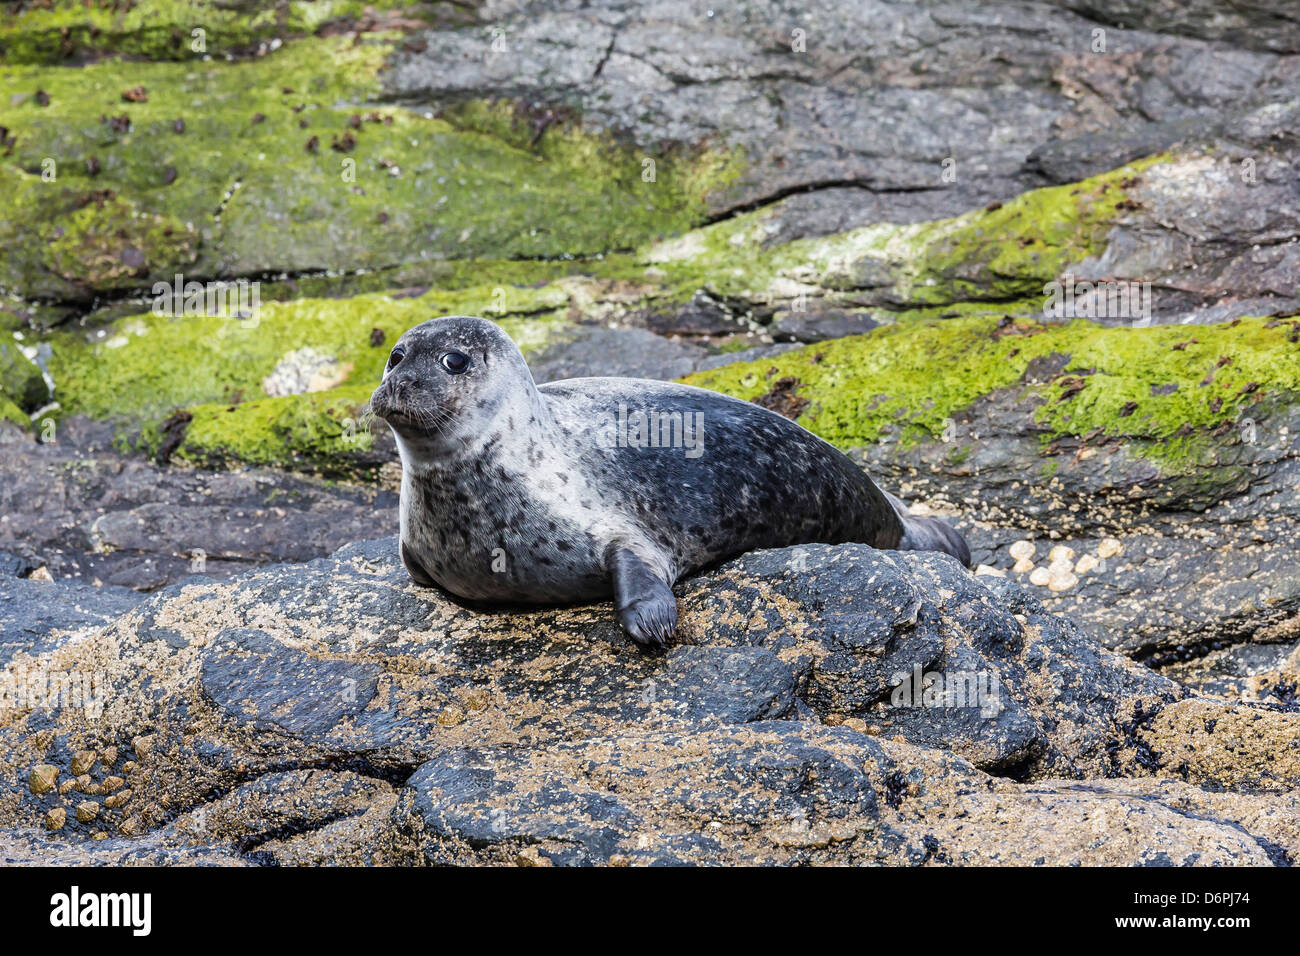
(417, 573)
(646, 606)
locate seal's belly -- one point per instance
(511, 573)
(504, 547)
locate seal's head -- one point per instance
(449, 382)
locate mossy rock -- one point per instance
(326, 433)
(279, 165)
(9, 412)
(1162, 389)
(1004, 252)
(148, 365)
(285, 386)
(21, 382)
(55, 30)
(65, 241)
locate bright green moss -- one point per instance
(914, 376)
(327, 432)
(1219, 371)
(1007, 252)
(20, 380)
(255, 180)
(52, 31)
(1004, 252)
(147, 365)
(9, 412)
(324, 432)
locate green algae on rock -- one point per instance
(66, 240)
(21, 382)
(9, 412)
(322, 432)
(1004, 252)
(50, 32)
(151, 364)
(285, 387)
(283, 165)
(1161, 387)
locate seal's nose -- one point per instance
(401, 386)
(384, 398)
(398, 392)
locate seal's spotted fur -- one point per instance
(513, 493)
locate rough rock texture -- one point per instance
(657, 190)
(1109, 470)
(81, 509)
(820, 95)
(1194, 563)
(36, 615)
(774, 732)
(780, 793)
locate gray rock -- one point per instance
(870, 113)
(819, 325)
(254, 678)
(88, 512)
(599, 350)
(1263, 25)
(784, 793)
(702, 315)
(38, 616)
(547, 737)
(744, 355)
(1206, 556)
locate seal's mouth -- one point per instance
(390, 407)
(395, 405)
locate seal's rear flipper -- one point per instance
(933, 534)
(646, 606)
(929, 534)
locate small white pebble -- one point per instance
(1023, 550)
(1061, 579)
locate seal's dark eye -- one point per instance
(455, 362)
(398, 354)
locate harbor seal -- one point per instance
(591, 488)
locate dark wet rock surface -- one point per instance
(423, 731)
(1172, 567)
(84, 510)
(34, 613)
(632, 353)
